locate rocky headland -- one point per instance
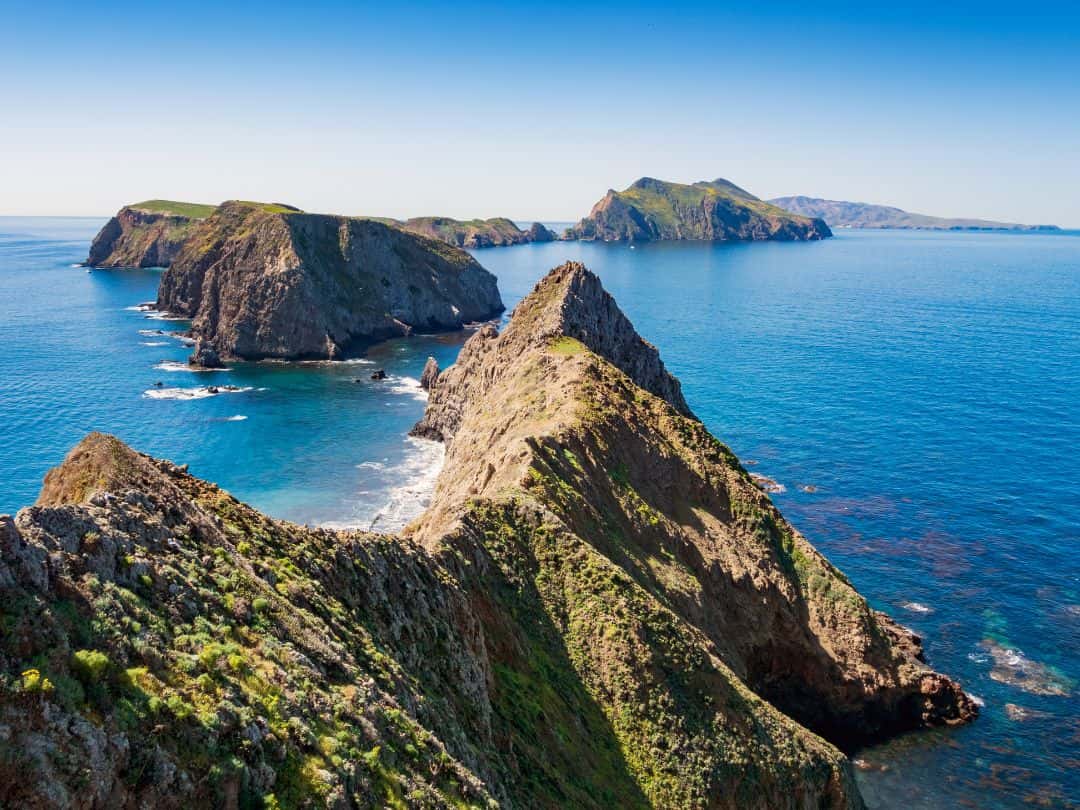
(843, 214)
(474, 233)
(717, 210)
(146, 234)
(262, 281)
(600, 609)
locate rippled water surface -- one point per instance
(916, 394)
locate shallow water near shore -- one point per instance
(915, 395)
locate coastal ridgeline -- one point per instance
(600, 609)
(260, 282)
(717, 210)
(146, 234)
(842, 214)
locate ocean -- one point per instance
(915, 394)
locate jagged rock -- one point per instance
(430, 374)
(147, 234)
(205, 356)
(266, 282)
(539, 233)
(380, 374)
(600, 609)
(716, 210)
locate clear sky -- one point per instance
(534, 111)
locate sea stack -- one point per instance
(715, 210)
(266, 281)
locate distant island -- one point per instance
(146, 234)
(842, 214)
(473, 233)
(715, 210)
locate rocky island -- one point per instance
(600, 609)
(842, 214)
(146, 234)
(474, 233)
(718, 210)
(261, 281)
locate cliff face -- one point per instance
(842, 214)
(599, 610)
(261, 282)
(652, 209)
(147, 234)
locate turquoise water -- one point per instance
(924, 387)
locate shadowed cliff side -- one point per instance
(545, 421)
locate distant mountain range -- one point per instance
(842, 214)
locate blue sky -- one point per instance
(533, 111)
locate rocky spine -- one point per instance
(599, 609)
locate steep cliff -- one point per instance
(715, 210)
(599, 610)
(263, 282)
(146, 234)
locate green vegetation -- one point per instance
(177, 209)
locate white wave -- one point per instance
(978, 701)
(154, 342)
(917, 607)
(173, 365)
(407, 385)
(201, 392)
(155, 315)
(407, 499)
(238, 418)
(147, 306)
(371, 465)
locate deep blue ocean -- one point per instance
(917, 395)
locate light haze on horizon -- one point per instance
(533, 112)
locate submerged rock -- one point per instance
(262, 282)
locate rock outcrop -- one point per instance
(843, 214)
(262, 282)
(473, 233)
(146, 234)
(716, 210)
(429, 374)
(599, 610)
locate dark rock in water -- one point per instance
(205, 356)
(159, 384)
(716, 210)
(430, 374)
(262, 282)
(213, 389)
(378, 375)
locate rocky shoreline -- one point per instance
(600, 608)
